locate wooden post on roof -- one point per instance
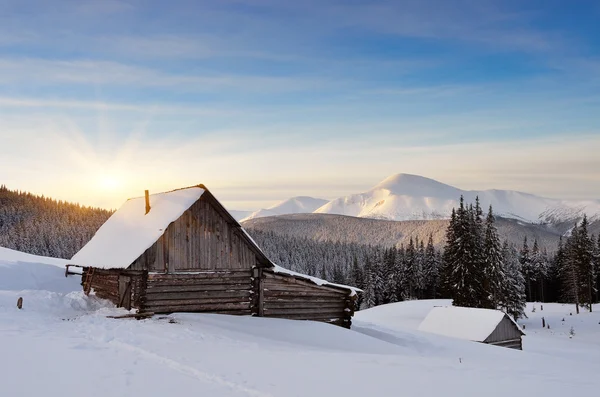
(147, 194)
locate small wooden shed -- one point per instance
(181, 251)
(492, 327)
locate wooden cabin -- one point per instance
(181, 251)
(492, 327)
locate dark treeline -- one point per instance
(385, 274)
(43, 226)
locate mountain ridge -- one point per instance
(402, 197)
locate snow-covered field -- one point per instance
(62, 344)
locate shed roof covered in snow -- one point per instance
(130, 231)
(479, 325)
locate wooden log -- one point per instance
(198, 288)
(201, 308)
(307, 311)
(301, 287)
(274, 305)
(181, 302)
(191, 281)
(202, 273)
(300, 281)
(269, 293)
(304, 316)
(150, 295)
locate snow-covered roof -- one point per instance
(316, 280)
(463, 322)
(130, 231)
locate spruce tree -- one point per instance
(584, 258)
(494, 277)
(569, 271)
(512, 299)
(431, 269)
(526, 268)
(410, 269)
(597, 267)
(464, 277)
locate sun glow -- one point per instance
(110, 182)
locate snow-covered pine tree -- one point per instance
(597, 266)
(527, 268)
(389, 294)
(419, 270)
(369, 299)
(462, 268)
(431, 270)
(584, 259)
(410, 271)
(449, 256)
(512, 299)
(569, 271)
(539, 271)
(400, 274)
(494, 277)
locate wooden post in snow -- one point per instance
(147, 194)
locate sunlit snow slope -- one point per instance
(294, 205)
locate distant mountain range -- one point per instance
(403, 197)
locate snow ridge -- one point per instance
(294, 205)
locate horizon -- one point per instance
(263, 101)
(273, 203)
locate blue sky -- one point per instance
(262, 100)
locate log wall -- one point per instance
(105, 284)
(227, 292)
(294, 298)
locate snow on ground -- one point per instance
(62, 344)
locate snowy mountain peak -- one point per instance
(415, 185)
(413, 197)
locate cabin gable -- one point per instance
(201, 239)
(505, 334)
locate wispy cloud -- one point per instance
(92, 72)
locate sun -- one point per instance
(110, 182)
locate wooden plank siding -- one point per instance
(505, 334)
(201, 239)
(295, 298)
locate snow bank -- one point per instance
(7, 255)
(129, 232)
(462, 322)
(21, 271)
